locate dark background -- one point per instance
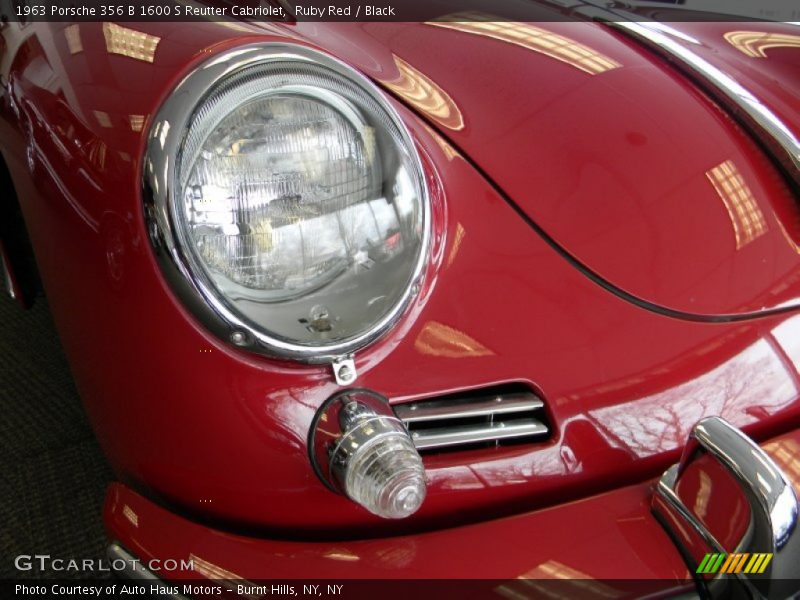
(53, 475)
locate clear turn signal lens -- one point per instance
(385, 475)
(373, 460)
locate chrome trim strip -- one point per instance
(165, 139)
(468, 434)
(5, 272)
(436, 410)
(784, 144)
(769, 493)
(137, 574)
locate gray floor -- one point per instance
(52, 473)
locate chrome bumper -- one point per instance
(762, 560)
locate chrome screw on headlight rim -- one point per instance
(287, 203)
(359, 448)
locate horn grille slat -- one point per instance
(471, 434)
(469, 420)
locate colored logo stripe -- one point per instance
(740, 562)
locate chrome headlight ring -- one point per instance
(165, 176)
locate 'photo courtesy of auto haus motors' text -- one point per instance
(320, 299)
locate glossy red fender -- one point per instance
(220, 435)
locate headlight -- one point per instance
(288, 202)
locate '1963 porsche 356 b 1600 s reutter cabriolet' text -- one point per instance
(426, 299)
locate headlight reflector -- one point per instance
(295, 203)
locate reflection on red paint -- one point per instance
(712, 494)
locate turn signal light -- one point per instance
(360, 449)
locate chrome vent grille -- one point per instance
(486, 417)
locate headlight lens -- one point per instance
(298, 204)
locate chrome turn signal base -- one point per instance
(359, 448)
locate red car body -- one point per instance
(584, 244)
